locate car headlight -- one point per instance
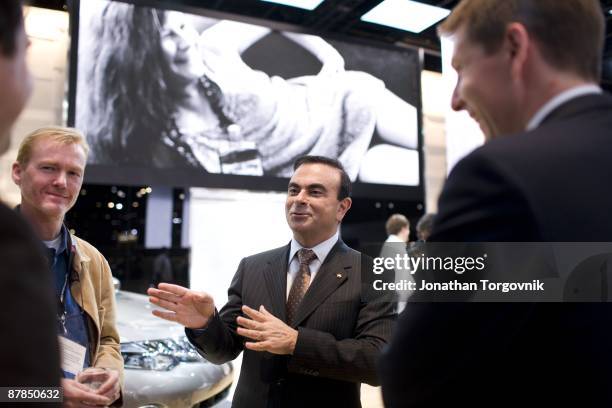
(158, 355)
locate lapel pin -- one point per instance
(338, 275)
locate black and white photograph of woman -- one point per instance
(165, 89)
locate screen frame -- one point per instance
(109, 174)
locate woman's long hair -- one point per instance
(128, 108)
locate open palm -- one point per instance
(190, 308)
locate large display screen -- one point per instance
(170, 97)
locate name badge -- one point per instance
(73, 355)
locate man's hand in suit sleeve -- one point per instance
(190, 308)
(270, 333)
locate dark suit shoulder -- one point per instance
(482, 200)
(522, 186)
(17, 240)
(26, 289)
(13, 226)
(344, 249)
(575, 131)
(561, 168)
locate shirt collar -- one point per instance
(62, 240)
(322, 249)
(394, 238)
(560, 99)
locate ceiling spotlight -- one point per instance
(405, 15)
(303, 4)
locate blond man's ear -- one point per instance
(16, 173)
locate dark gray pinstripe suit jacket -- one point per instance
(340, 336)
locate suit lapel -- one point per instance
(333, 273)
(275, 274)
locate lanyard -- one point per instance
(62, 317)
(62, 304)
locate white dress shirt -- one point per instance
(321, 250)
(394, 238)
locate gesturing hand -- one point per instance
(272, 334)
(190, 308)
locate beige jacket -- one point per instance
(94, 292)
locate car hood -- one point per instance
(136, 323)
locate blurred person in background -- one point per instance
(398, 231)
(49, 172)
(528, 72)
(29, 354)
(162, 267)
(424, 227)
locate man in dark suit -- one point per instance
(29, 355)
(528, 73)
(305, 344)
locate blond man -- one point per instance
(49, 172)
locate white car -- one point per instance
(162, 369)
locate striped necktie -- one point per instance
(300, 283)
